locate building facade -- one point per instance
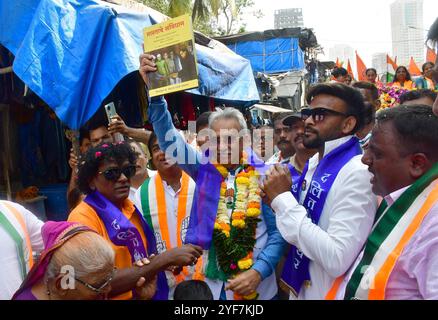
(288, 18)
(379, 62)
(342, 52)
(408, 34)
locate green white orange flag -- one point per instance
(413, 68)
(391, 66)
(361, 68)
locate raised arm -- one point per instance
(170, 141)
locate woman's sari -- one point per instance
(54, 234)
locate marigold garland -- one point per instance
(235, 238)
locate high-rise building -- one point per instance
(288, 18)
(342, 52)
(408, 34)
(379, 62)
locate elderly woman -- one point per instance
(105, 177)
(77, 264)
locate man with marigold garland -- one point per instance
(228, 219)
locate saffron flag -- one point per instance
(413, 68)
(361, 68)
(391, 66)
(339, 64)
(349, 69)
(431, 55)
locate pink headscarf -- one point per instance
(54, 234)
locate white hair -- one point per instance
(228, 113)
(88, 253)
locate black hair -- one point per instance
(425, 65)
(280, 116)
(432, 35)
(408, 75)
(351, 97)
(416, 126)
(192, 290)
(131, 141)
(91, 160)
(83, 134)
(338, 72)
(417, 94)
(367, 86)
(370, 69)
(202, 120)
(99, 119)
(370, 111)
(153, 137)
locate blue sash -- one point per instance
(123, 233)
(206, 199)
(295, 181)
(296, 267)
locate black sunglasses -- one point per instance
(113, 174)
(318, 114)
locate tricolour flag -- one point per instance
(391, 66)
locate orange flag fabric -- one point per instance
(413, 68)
(431, 55)
(349, 69)
(338, 63)
(391, 62)
(361, 68)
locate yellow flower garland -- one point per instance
(247, 205)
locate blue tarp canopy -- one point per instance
(273, 51)
(73, 53)
(273, 55)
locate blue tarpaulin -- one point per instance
(271, 55)
(73, 53)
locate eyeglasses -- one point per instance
(113, 174)
(98, 290)
(318, 114)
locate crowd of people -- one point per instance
(346, 208)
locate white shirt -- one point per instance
(345, 223)
(10, 275)
(415, 274)
(267, 289)
(172, 198)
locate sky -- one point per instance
(365, 25)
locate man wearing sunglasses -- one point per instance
(329, 216)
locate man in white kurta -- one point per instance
(10, 265)
(334, 242)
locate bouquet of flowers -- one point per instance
(390, 96)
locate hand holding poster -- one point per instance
(172, 44)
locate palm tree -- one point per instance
(200, 9)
